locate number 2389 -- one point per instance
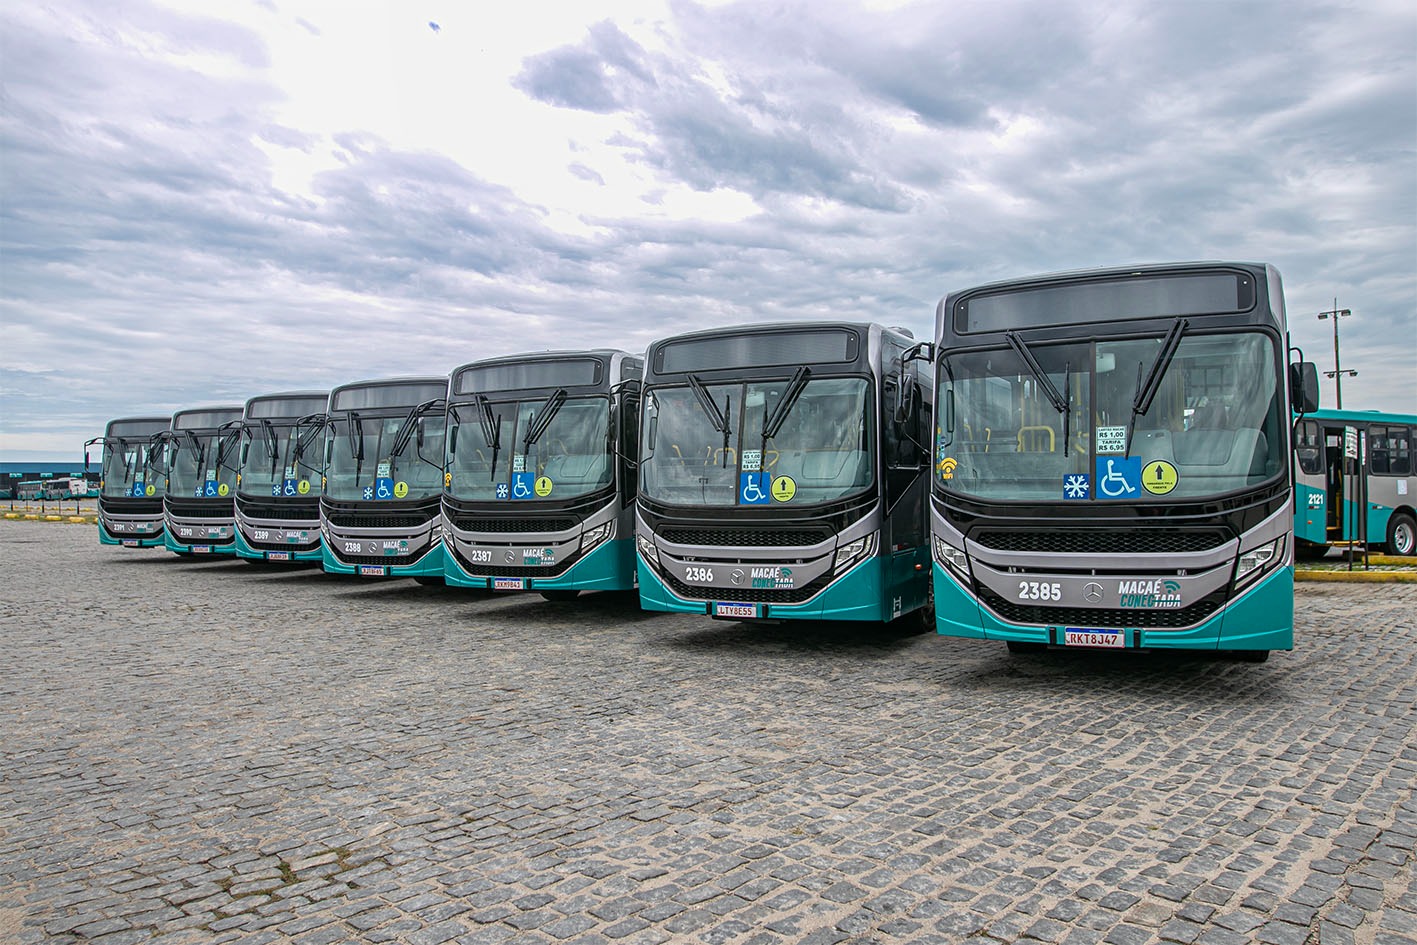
(1039, 590)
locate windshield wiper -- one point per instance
(718, 419)
(270, 431)
(772, 424)
(1146, 390)
(491, 425)
(302, 443)
(537, 428)
(1060, 402)
(356, 437)
(228, 435)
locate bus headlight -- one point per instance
(647, 549)
(853, 552)
(1257, 561)
(596, 535)
(947, 554)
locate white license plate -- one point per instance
(1105, 639)
(373, 570)
(735, 610)
(277, 556)
(130, 543)
(509, 584)
(201, 549)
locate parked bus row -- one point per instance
(1095, 459)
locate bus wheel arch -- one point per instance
(1402, 534)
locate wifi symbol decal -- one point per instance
(1172, 587)
(947, 467)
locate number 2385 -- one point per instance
(1039, 590)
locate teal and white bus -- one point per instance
(541, 477)
(200, 504)
(1331, 447)
(381, 511)
(133, 484)
(783, 474)
(278, 484)
(1112, 463)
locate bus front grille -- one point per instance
(345, 520)
(282, 546)
(1111, 541)
(477, 523)
(394, 560)
(794, 595)
(1101, 616)
(745, 537)
(280, 513)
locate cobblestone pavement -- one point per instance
(201, 751)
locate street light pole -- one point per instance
(1337, 373)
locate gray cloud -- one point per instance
(149, 260)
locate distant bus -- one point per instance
(200, 505)
(131, 491)
(1112, 460)
(278, 480)
(541, 479)
(783, 474)
(1330, 447)
(381, 512)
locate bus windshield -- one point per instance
(370, 460)
(700, 441)
(553, 447)
(128, 466)
(200, 464)
(282, 458)
(1135, 419)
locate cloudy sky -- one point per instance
(199, 207)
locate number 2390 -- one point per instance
(1039, 590)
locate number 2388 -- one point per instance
(1039, 590)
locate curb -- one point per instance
(1370, 577)
(64, 519)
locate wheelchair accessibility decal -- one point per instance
(1117, 478)
(522, 485)
(752, 488)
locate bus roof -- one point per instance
(1361, 416)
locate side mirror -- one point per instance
(1304, 387)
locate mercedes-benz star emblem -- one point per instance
(510, 557)
(1092, 593)
(736, 577)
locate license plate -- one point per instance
(373, 570)
(277, 556)
(130, 543)
(201, 549)
(508, 584)
(735, 610)
(1105, 639)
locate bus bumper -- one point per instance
(1261, 618)
(106, 537)
(244, 550)
(429, 565)
(198, 548)
(608, 567)
(859, 594)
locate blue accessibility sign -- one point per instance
(383, 488)
(750, 488)
(1117, 478)
(522, 484)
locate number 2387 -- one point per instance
(1039, 590)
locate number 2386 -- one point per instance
(1039, 590)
